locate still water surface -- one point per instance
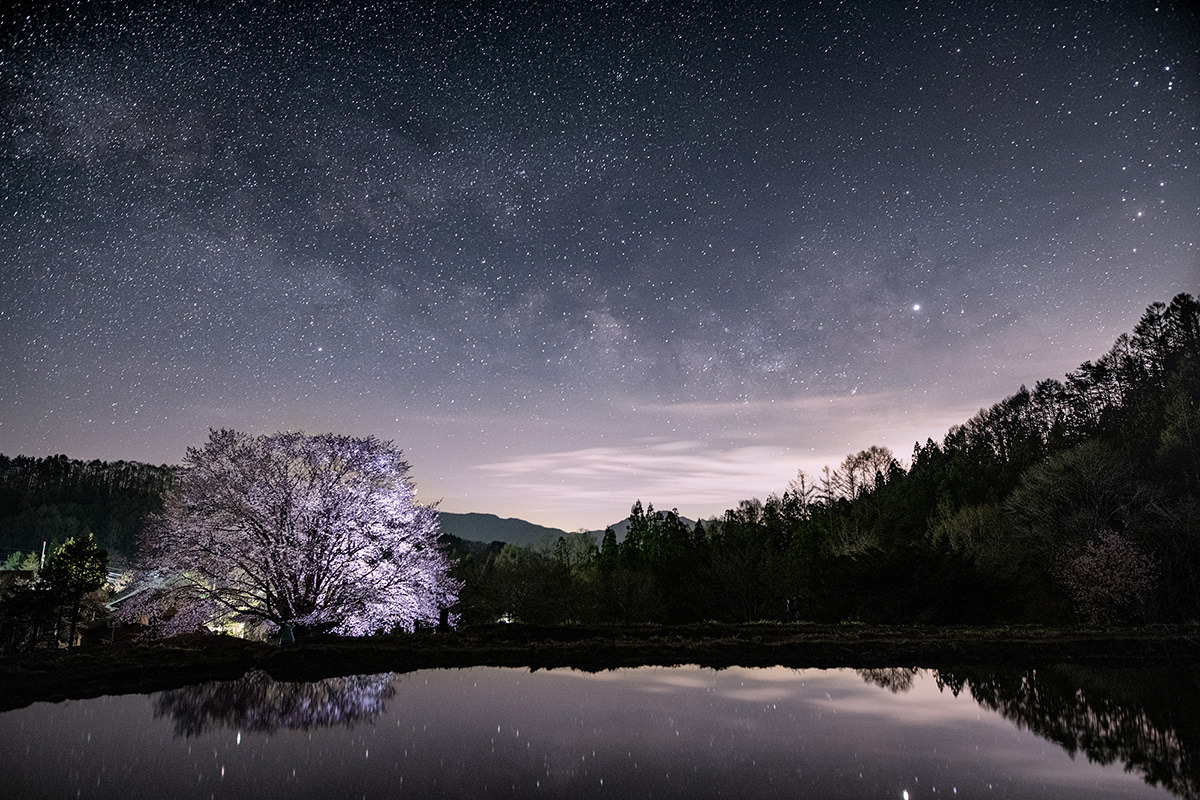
(647, 732)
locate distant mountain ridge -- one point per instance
(489, 528)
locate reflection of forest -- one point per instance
(1145, 718)
(257, 703)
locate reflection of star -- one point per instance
(916, 307)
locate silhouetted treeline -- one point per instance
(1076, 500)
(56, 498)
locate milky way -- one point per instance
(567, 255)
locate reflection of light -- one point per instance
(904, 795)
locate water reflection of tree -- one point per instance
(257, 703)
(895, 679)
(1146, 719)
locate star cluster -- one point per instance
(571, 254)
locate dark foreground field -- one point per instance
(126, 668)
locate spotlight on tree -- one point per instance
(317, 532)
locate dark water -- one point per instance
(651, 732)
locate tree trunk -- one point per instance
(74, 620)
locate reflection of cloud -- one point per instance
(256, 702)
(557, 733)
(741, 684)
(922, 704)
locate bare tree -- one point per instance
(860, 472)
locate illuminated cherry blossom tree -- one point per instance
(310, 531)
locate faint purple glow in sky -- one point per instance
(570, 256)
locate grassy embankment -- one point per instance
(125, 668)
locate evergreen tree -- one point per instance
(76, 567)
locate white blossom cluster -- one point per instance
(311, 531)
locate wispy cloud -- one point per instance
(699, 479)
(703, 475)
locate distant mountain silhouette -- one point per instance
(491, 528)
(488, 528)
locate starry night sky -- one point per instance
(567, 255)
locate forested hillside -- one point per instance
(56, 498)
(1078, 499)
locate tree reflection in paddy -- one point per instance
(1146, 719)
(1135, 717)
(649, 732)
(256, 703)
